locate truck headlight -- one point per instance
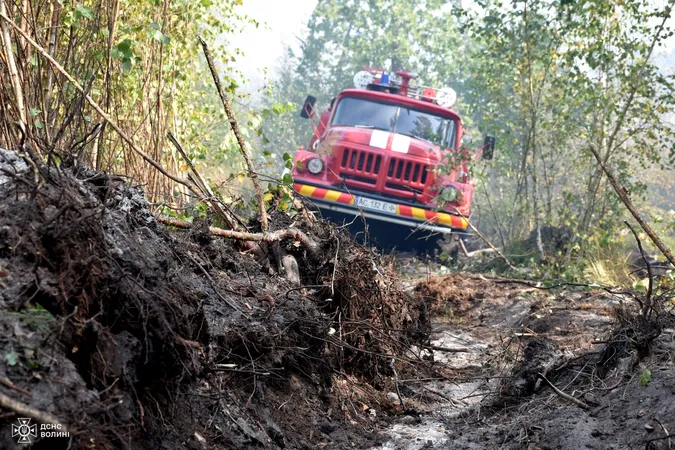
(449, 194)
(315, 166)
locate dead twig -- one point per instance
(538, 285)
(670, 445)
(202, 185)
(398, 391)
(11, 385)
(443, 396)
(335, 264)
(563, 395)
(648, 444)
(235, 128)
(213, 284)
(26, 411)
(448, 349)
(480, 235)
(647, 306)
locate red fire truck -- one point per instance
(389, 154)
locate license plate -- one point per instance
(376, 205)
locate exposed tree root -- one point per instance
(563, 395)
(274, 236)
(24, 410)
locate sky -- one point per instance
(282, 22)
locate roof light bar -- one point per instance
(362, 79)
(445, 97)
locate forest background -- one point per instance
(553, 80)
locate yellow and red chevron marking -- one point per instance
(324, 194)
(450, 220)
(426, 215)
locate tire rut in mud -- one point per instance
(591, 345)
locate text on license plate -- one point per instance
(377, 205)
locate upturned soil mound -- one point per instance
(134, 336)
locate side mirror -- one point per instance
(489, 147)
(308, 107)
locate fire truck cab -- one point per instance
(390, 152)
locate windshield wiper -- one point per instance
(370, 127)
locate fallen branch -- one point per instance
(235, 128)
(203, 186)
(482, 251)
(622, 192)
(443, 396)
(11, 385)
(538, 285)
(480, 235)
(563, 395)
(26, 411)
(95, 105)
(448, 349)
(463, 248)
(275, 236)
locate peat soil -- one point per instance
(126, 334)
(586, 342)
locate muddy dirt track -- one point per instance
(124, 333)
(512, 332)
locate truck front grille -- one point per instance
(409, 171)
(364, 163)
(384, 173)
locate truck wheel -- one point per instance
(449, 246)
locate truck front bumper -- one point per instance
(383, 209)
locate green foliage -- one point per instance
(552, 81)
(142, 63)
(645, 377)
(12, 358)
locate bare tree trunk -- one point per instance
(113, 14)
(533, 137)
(548, 207)
(521, 187)
(51, 46)
(535, 198)
(235, 129)
(13, 72)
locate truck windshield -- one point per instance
(360, 112)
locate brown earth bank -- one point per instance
(126, 334)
